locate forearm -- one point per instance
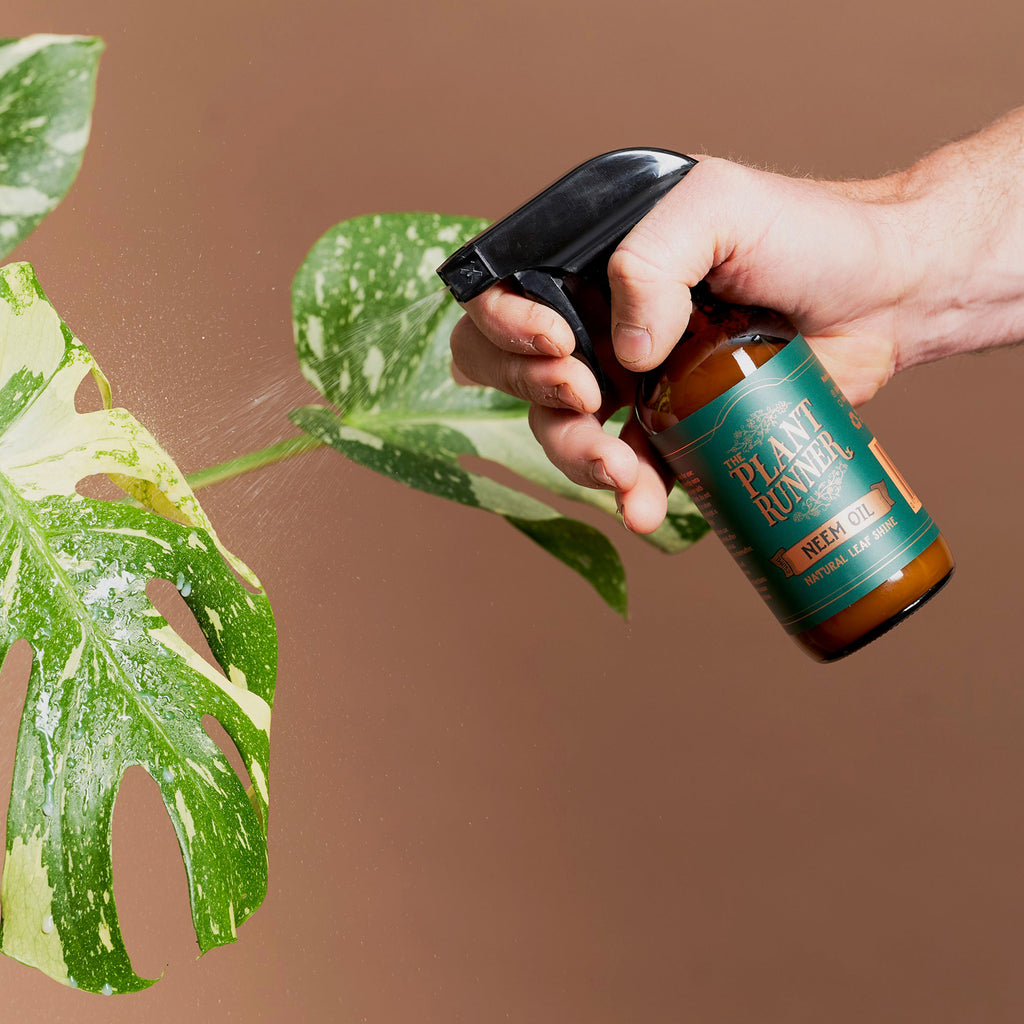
(959, 213)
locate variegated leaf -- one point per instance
(372, 329)
(47, 84)
(112, 684)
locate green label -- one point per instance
(798, 489)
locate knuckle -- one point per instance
(632, 269)
(486, 306)
(560, 434)
(514, 378)
(539, 420)
(548, 426)
(541, 319)
(554, 430)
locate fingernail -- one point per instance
(600, 474)
(632, 343)
(621, 514)
(544, 346)
(568, 397)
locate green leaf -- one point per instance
(112, 684)
(372, 327)
(578, 545)
(47, 84)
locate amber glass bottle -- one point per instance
(792, 481)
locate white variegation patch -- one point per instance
(27, 898)
(24, 201)
(255, 708)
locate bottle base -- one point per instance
(828, 654)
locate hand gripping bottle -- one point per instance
(785, 471)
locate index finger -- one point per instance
(517, 324)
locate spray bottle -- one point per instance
(742, 412)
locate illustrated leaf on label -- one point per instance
(47, 85)
(112, 684)
(371, 328)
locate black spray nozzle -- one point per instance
(556, 246)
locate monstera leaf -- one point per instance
(47, 84)
(372, 328)
(112, 684)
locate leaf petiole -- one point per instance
(251, 461)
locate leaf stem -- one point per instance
(278, 452)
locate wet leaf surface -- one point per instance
(112, 684)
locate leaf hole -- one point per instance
(88, 397)
(167, 600)
(150, 884)
(246, 584)
(99, 487)
(223, 739)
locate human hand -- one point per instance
(865, 270)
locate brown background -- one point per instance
(492, 800)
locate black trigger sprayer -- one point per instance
(555, 247)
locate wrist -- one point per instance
(957, 218)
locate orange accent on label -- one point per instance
(896, 476)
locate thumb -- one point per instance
(675, 246)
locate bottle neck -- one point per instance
(723, 344)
